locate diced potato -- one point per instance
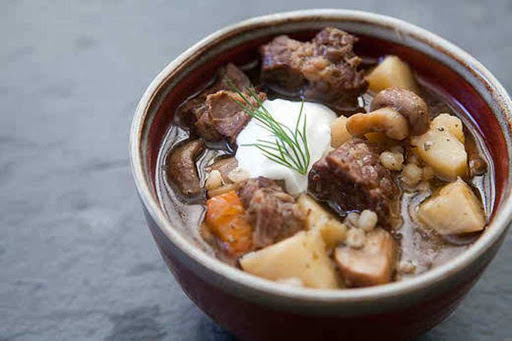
(456, 209)
(339, 133)
(317, 218)
(316, 215)
(302, 256)
(451, 123)
(371, 265)
(443, 152)
(392, 72)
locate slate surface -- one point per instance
(76, 260)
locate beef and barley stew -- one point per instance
(316, 167)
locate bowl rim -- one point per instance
(242, 279)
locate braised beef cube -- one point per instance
(195, 113)
(226, 115)
(277, 66)
(352, 178)
(323, 70)
(273, 213)
(181, 167)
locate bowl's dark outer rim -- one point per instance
(350, 301)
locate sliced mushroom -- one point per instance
(396, 112)
(384, 120)
(407, 103)
(182, 169)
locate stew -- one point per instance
(316, 167)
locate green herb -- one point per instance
(289, 147)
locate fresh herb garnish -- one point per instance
(289, 147)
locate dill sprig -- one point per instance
(289, 147)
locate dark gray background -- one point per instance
(76, 260)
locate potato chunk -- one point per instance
(443, 152)
(373, 264)
(339, 133)
(302, 256)
(392, 72)
(450, 123)
(317, 218)
(456, 209)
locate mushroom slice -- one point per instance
(372, 264)
(384, 120)
(398, 113)
(182, 169)
(407, 103)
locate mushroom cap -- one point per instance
(407, 103)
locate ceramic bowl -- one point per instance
(257, 309)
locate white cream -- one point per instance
(318, 132)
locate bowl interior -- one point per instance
(443, 66)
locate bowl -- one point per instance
(256, 309)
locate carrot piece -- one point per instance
(225, 217)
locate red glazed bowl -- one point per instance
(257, 309)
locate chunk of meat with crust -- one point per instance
(352, 178)
(215, 126)
(226, 115)
(373, 264)
(181, 167)
(323, 70)
(273, 213)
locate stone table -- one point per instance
(76, 260)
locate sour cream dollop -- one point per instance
(318, 131)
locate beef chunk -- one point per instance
(273, 213)
(182, 169)
(323, 70)
(352, 178)
(226, 115)
(212, 113)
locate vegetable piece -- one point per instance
(225, 217)
(392, 72)
(302, 255)
(407, 103)
(317, 218)
(456, 209)
(316, 215)
(339, 133)
(182, 170)
(371, 265)
(451, 123)
(385, 120)
(443, 152)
